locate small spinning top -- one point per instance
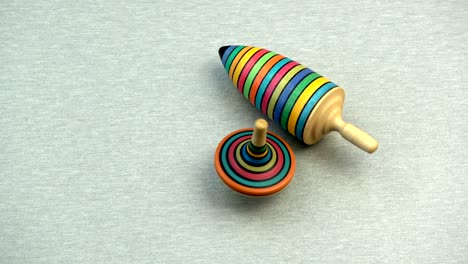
(254, 161)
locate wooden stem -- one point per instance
(260, 133)
(355, 135)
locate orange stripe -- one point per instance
(261, 74)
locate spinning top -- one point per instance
(300, 100)
(254, 161)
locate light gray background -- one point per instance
(111, 113)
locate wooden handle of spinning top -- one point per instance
(355, 135)
(326, 117)
(259, 135)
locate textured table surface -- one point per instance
(110, 114)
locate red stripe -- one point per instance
(248, 66)
(261, 75)
(255, 176)
(274, 82)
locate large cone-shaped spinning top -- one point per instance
(254, 161)
(300, 100)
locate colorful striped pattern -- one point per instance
(281, 88)
(254, 167)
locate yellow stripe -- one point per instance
(280, 87)
(241, 65)
(263, 168)
(302, 101)
(261, 155)
(236, 59)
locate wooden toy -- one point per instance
(300, 100)
(254, 161)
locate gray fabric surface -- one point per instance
(110, 114)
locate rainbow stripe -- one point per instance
(281, 88)
(255, 167)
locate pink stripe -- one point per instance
(274, 82)
(245, 72)
(254, 176)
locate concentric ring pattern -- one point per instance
(281, 88)
(248, 166)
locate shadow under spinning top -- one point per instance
(254, 161)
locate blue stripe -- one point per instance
(267, 79)
(287, 92)
(253, 161)
(307, 110)
(226, 54)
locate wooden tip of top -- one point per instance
(260, 133)
(261, 124)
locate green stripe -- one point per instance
(257, 150)
(294, 96)
(232, 56)
(254, 71)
